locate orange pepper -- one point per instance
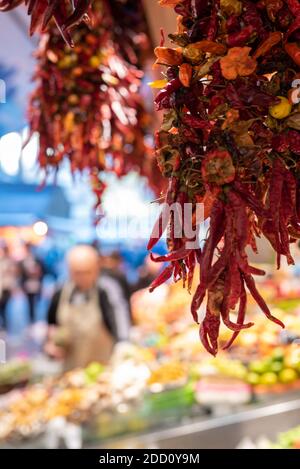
(211, 47)
(231, 116)
(271, 41)
(168, 56)
(237, 62)
(180, 26)
(169, 3)
(293, 50)
(185, 74)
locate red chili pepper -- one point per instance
(213, 23)
(41, 11)
(241, 38)
(196, 122)
(163, 220)
(172, 86)
(163, 277)
(293, 139)
(181, 253)
(233, 24)
(293, 28)
(255, 204)
(209, 332)
(294, 6)
(241, 314)
(217, 227)
(81, 9)
(191, 264)
(259, 300)
(293, 50)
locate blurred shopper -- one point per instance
(83, 324)
(32, 273)
(9, 280)
(114, 282)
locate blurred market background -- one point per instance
(161, 389)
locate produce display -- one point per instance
(263, 357)
(288, 440)
(14, 373)
(230, 140)
(157, 379)
(77, 396)
(66, 14)
(87, 106)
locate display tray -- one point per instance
(226, 431)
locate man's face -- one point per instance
(84, 277)
(84, 267)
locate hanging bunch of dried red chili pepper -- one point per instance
(66, 14)
(86, 106)
(230, 139)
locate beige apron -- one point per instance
(88, 338)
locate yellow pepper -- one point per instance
(158, 83)
(281, 110)
(231, 7)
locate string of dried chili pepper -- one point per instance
(236, 128)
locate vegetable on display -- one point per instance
(230, 139)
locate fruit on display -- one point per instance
(230, 140)
(281, 367)
(168, 374)
(77, 396)
(23, 416)
(65, 13)
(93, 371)
(226, 366)
(288, 440)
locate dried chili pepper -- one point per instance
(293, 50)
(241, 38)
(267, 44)
(185, 74)
(294, 7)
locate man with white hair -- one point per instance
(83, 324)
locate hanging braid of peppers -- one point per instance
(230, 139)
(86, 106)
(132, 36)
(66, 14)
